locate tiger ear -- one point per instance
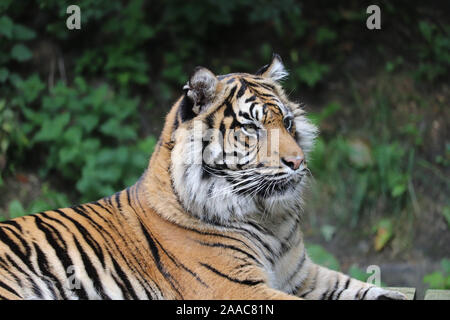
(201, 89)
(275, 70)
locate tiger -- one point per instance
(216, 214)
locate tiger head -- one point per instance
(240, 146)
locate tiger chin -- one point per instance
(215, 216)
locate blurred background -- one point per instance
(81, 110)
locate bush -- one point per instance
(89, 135)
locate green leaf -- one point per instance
(321, 256)
(21, 53)
(39, 206)
(4, 73)
(327, 231)
(23, 33)
(111, 127)
(360, 153)
(52, 129)
(446, 214)
(6, 26)
(312, 72)
(16, 209)
(324, 35)
(73, 135)
(398, 190)
(67, 155)
(31, 87)
(358, 273)
(445, 264)
(384, 233)
(435, 280)
(426, 30)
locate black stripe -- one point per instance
(7, 268)
(13, 224)
(225, 246)
(117, 197)
(103, 232)
(364, 294)
(228, 112)
(8, 288)
(128, 290)
(157, 259)
(336, 286)
(3, 297)
(85, 234)
(263, 243)
(247, 282)
(311, 287)
(252, 98)
(90, 270)
(185, 109)
(19, 269)
(231, 94)
(50, 232)
(347, 283)
(45, 269)
(15, 248)
(285, 243)
(242, 89)
(98, 204)
(262, 70)
(175, 261)
(205, 233)
(297, 268)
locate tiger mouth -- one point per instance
(257, 183)
(274, 187)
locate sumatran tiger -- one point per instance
(216, 215)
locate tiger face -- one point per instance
(240, 146)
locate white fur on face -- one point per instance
(210, 197)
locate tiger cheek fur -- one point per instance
(211, 218)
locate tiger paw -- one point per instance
(377, 293)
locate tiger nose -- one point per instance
(293, 162)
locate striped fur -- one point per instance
(187, 230)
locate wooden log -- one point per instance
(433, 294)
(410, 293)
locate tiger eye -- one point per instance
(250, 128)
(287, 123)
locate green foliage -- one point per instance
(446, 214)
(356, 272)
(321, 256)
(16, 209)
(384, 233)
(439, 279)
(89, 134)
(311, 72)
(434, 54)
(48, 199)
(13, 47)
(74, 131)
(358, 172)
